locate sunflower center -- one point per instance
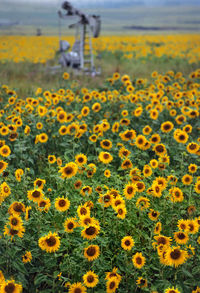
(1, 165)
(13, 232)
(159, 149)
(106, 156)
(17, 207)
(51, 241)
(154, 214)
(90, 279)
(70, 225)
(39, 182)
(175, 254)
(68, 170)
(10, 288)
(14, 222)
(138, 260)
(83, 211)
(112, 285)
(129, 190)
(106, 143)
(62, 203)
(181, 236)
(90, 231)
(91, 251)
(162, 240)
(36, 194)
(77, 290)
(42, 204)
(127, 242)
(106, 198)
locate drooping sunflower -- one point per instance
(90, 232)
(197, 187)
(141, 282)
(10, 286)
(161, 239)
(91, 252)
(157, 228)
(62, 204)
(70, 224)
(105, 157)
(138, 260)
(81, 159)
(77, 288)
(50, 243)
(3, 166)
(90, 279)
(27, 257)
(181, 237)
(142, 203)
(127, 243)
(16, 208)
(176, 256)
(69, 170)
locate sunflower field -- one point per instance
(100, 188)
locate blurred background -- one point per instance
(32, 17)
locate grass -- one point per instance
(26, 77)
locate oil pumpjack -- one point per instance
(81, 55)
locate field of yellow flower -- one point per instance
(40, 49)
(100, 188)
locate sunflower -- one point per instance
(15, 222)
(153, 215)
(197, 187)
(147, 171)
(81, 159)
(176, 194)
(176, 256)
(10, 286)
(172, 290)
(70, 224)
(44, 204)
(140, 185)
(128, 135)
(121, 211)
(107, 173)
(142, 203)
(5, 189)
(27, 257)
(86, 190)
(192, 168)
(167, 126)
(155, 138)
(180, 136)
(62, 204)
(90, 279)
(3, 166)
(35, 195)
(106, 144)
(83, 210)
(192, 148)
(78, 184)
(111, 285)
(93, 138)
(157, 228)
(181, 237)
(123, 152)
(96, 107)
(13, 232)
(161, 239)
(5, 151)
(51, 159)
(69, 170)
(61, 116)
(140, 141)
(106, 199)
(138, 260)
(77, 288)
(50, 243)
(16, 208)
(43, 137)
(192, 227)
(130, 190)
(126, 164)
(105, 157)
(147, 130)
(91, 252)
(159, 149)
(90, 232)
(63, 130)
(141, 282)
(115, 127)
(187, 179)
(127, 243)
(39, 183)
